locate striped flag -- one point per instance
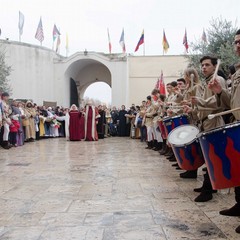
(140, 42)
(122, 42)
(109, 42)
(204, 36)
(185, 41)
(165, 42)
(20, 24)
(39, 33)
(56, 32)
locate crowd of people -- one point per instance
(22, 122)
(26, 122)
(197, 100)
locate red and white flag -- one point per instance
(39, 33)
(161, 88)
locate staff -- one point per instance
(211, 116)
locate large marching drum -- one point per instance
(173, 122)
(186, 147)
(221, 150)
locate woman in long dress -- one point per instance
(76, 126)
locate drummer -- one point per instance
(231, 100)
(193, 88)
(206, 103)
(156, 131)
(149, 115)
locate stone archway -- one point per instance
(85, 72)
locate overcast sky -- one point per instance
(86, 22)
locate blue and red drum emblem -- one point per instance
(186, 147)
(221, 150)
(173, 122)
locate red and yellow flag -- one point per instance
(165, 43)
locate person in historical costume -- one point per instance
(193, 88)
(76, 126)
(148, 121)
(6, 121)
(41, 123)
(156, 131)
(66, 119)
(167, 102)
(91, 118)
(29, 122)
(231, 100)
(53, 127)
(17, 111)
(207, 99)
(122, 127)
(101, 122)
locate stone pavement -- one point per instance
(113, 189)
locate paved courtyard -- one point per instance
(111, 189)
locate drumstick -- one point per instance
(192, 78)
(211, 116)
(216, 69)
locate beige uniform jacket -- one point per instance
(232, 99)
(208, 104)
(149, 116)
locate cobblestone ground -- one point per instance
(111, 189)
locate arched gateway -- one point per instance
(83, 69)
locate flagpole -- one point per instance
(144, 48)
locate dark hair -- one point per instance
(155, 91)
(5, 94)
(238, 32)
(162, 97)
(213, 59)
(174, 83)
(181, 80)
(221, 74)
(149, 98)
(232, 69)
(168, 84)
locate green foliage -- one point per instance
(220, 36)
(4, 73)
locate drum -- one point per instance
(173, 122)
(221, 150)
(186, 147)
(162, 129)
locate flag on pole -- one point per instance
(109, 42)
(67, 46)
(185, 41)
(140, 42)
(20, 24)
(157, 84)
(39, 33)
(56, 32)
(204, 36)
(162, 89)
(122, 42)
(58, 44)
(165, 43)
